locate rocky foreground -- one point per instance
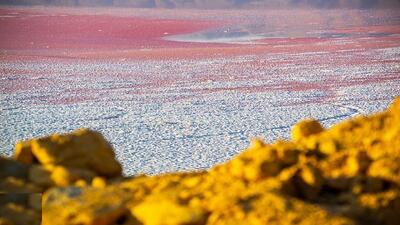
(348, 174)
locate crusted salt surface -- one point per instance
(347, 174)
(168, 115)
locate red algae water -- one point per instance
(184, 90)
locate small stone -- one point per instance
(328, 147)
(306, 128)
(80, 183)
(192, 182)
(99, 182)
(256, 143)
(260, 170)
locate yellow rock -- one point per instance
(83, 148)
(395, 106)
(80, 183)
(383, 206)
(256, 143)
(23, 152)
(89, 206)
(99, 182)
(387, 169)
(305, 129)
(161, 210)
(357, 163)
(64, 176)
(275, 209)
(328, 146)
(19, 215)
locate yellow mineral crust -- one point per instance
(347, 174)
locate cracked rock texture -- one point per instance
(347, 174)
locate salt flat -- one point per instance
(168, 105)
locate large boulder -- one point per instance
(81, 149)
